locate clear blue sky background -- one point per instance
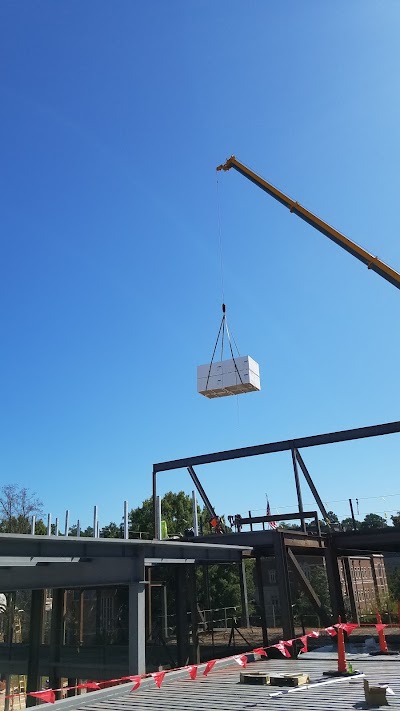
(114, 116)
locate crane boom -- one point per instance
(372, 262)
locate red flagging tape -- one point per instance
(48, 695)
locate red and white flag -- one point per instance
(271, 524)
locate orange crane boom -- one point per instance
(358, 252)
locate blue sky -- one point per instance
(114, 117)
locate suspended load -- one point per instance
(228, 377)
(240, 374)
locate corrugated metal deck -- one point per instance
(221, 691)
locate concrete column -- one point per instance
(243, 595)
(35, 640)
(282, 576)
(137, 610)
(56, 637)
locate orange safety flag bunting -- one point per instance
(158, 677)
(209, 666)
(47, 696)
(193, 670)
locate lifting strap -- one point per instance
(222, 329)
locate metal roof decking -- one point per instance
(221, 689)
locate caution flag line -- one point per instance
(48, 695)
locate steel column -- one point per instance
(182, 626)
(192, 589)
(35, 640)
(136, 622)
(335, 585)
(350, 590)
(243, 595)
(56, 637)
(282, 575)
(298, 490)
(261, 599)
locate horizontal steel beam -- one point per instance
(282, 446)
(28, 546)
(278, 517)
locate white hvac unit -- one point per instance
(228, 377)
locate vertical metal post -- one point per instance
(33, 525)
(194, 653)
(154, 503)
(350, 589)
(149, 596)
(137, 606)
(243, 594)
(182, 628)
(158, 518)
(95, 522)
(352, 515)
(261, 599)
(195, 519)
(56, 525)
(49, 524)
(165, 610)
(9, 640)
(282, 576)
(66, 528)
(78, 529)
(56, 637)
(298, 490)
(35, 640)
(334, 582)
(126, 526)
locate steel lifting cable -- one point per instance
(221, 332)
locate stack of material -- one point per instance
(228, 377)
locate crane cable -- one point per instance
(224, 323)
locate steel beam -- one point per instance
(282, 446)
(27, 546)
(308, 589)
(312, 486)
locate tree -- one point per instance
(17, 506)
(111, 531)
(396, 520)
(393, 579)
(373, 520)
(349, 525)
(176, 511)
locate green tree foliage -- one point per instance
(393, 578)
(373, 520)
(176, 510)
(17, 506)
(348, 525)
(396, 520)
(111, 531)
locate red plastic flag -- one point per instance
(261, 651)
(314, 633)
(158, 677)
(280, 645)
(241, 659)
(347, 626)
(289, 642)
(90, 685)
(331, 631)
(48, 696)
(193, 671)
(209, 666)
(304, 642)
(137, 680)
